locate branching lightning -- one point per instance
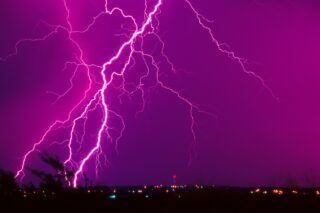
(96, 99)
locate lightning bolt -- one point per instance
(96, 98)
(223, 48)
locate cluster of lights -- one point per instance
(199, 186)
(174, 187)
(138, 191)
(132, 191)
(178, 186)
(258, 190)
(158, 186)
(277, 191)
(273, 191)
(89, 191)
(142, 191)
(145, 191)
(38, 193)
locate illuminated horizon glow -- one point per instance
(100, 95)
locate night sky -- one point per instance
(252, 134)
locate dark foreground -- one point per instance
(164, 199)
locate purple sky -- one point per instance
(253, 139)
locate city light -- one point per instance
(112, 196)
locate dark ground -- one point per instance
(164, 199)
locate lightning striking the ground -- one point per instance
(95, 96)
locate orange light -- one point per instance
(277, 191)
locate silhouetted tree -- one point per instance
(53, 181)
(8, 183)
(53, 161)
(87, 181)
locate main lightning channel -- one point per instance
(90, 102)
